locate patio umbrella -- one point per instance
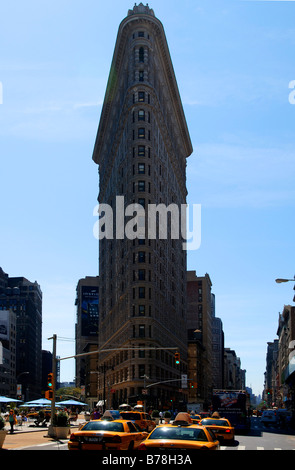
(72, 402)
(7, 399)
(41, 401)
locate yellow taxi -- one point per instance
(143, 420)
(181, 434)
(107, 434)
(221, 427)
(196, 418)
(34, 414)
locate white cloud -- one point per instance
(225, 175)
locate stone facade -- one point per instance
(141, 149)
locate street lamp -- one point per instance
(279, 281)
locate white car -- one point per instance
(269, 417)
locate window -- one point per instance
(141, 76)
(141, 151)
(141, 310)
(141, 54)
(141, 186)
(141, 201)
(141, 292)
(141, 133)
(141, 115)
(141, 370)
(141, 96)
(141, 168)
(141, 34)
(141, 352)
(141, 274)
(141, 256)
(131, 427)
(141, 331)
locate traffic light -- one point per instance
(50, 380)
(193, 385)
(177, 358)
(49, 394)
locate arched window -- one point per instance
(141, 115)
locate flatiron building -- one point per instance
(141, 148)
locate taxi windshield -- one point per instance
(214, 422)
(179, 433)
(103, 426)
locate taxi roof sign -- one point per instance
(183, 419)
(110, 415)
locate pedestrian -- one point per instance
(12, 420)
(96, 414)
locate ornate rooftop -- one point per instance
(142, 9)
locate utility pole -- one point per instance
(50, 427)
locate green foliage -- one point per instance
(61, 420)
(65, 393)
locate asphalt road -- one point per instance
(260, 438)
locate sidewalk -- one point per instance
(29, 435)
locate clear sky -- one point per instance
(233, 61)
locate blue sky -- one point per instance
(233, 61)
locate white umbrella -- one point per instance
(41, 401)
(72, 402)
(7, 399)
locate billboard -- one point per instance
(89, 311)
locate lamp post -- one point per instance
(281, 280)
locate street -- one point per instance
(263, 437)
(260, 438)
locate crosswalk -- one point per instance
(248, 448)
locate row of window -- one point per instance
(142, 151)
(141, 169)
(141, 186)
(141, 34)
(142, 115)
(141, 97)
(141, 331)
(141, 292)
(141, 133)
(140, 310)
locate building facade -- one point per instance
(8, 353)
(87, 297)
(141, 149)
(199, 325)
(24, 298)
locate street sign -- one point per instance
(183, 380)
(144, 391)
